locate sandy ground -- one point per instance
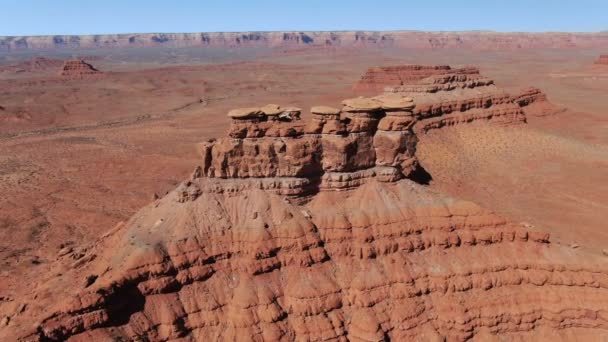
(79, 156)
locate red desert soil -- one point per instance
(506, 241)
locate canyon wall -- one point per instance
(402, 39)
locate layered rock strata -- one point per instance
(376, 79)
(452, 95)
(78, 68)
(338, 149)
(293, 230)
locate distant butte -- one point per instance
(77, 68)
(441, 90)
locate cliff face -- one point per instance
(405, 39)
(319, 230)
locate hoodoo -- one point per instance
(317, 230)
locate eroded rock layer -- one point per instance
(377, 78)
(383, 261)
(463, 93)
(311, 230)
(78, 68)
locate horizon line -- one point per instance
(310, 31)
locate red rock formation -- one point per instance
(78, 68)
(442, 90)
(376, 79)
(602, 60)
(309, 231)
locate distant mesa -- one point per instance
(377, 78)
(78, 68)
(441, 89)
(602, 60)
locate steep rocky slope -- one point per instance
(317, 230)
(405, 39)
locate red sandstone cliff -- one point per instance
(404, 39)
(318, 230)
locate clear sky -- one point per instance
(48, 17)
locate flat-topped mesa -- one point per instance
(602, 60)
(77, 68)
(454, 96)
(377, 78)
(336, 149)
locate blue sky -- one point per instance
(43, 17)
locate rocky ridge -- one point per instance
(319, 230)
(402, 39)
(377, 78)
(449, 94)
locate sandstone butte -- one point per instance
(77, 68)
(602, 60)
(323, 229)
